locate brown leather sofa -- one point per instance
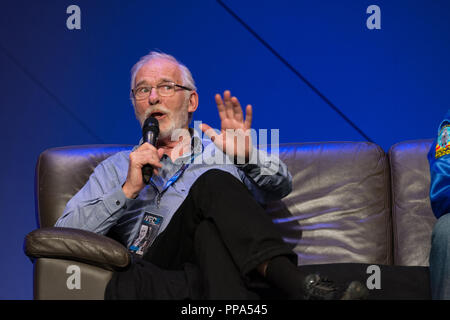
(352, 206)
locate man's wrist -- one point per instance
(129, 193)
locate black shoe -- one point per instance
(355, 291)
(317, 288)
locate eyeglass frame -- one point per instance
(160, 85)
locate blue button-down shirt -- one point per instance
(439, 160)
(102, 207)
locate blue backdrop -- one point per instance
(68, 87)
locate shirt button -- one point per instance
(125, 206)
(118, 202)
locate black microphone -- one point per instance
(150, 133)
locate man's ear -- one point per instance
(193, 102)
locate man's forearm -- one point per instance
(269, 173)
(96, 215)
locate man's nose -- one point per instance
(153, 97)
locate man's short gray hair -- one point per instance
(186, 76)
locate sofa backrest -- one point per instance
(412, 216)
(61, 172)
(339, 209)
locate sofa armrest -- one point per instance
(78, 245)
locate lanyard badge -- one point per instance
(147, 233)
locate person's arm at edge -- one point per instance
(439, 182)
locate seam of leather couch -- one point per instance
(391, 157)
(387, 205)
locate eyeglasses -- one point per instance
(166, 89)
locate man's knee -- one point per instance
(216, 178)
(205, 230)
(441, 231)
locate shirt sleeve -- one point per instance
(99, 204)
(439, 161)
(266, 176)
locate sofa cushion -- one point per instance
(339, 208)
(412, 216)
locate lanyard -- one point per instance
(169, 183)
(173, 178)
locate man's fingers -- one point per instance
(153, 162)
(230, 108)
(157, 164)
(228, 104)
(145, 157)
(248, 117)
(220, 107)
(148, 154)
(145, 146)
(237, 109)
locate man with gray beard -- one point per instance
(209, 236)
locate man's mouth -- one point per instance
(157, 114)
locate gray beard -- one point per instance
(172, 133)
(179, 121)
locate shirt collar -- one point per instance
(196, 147)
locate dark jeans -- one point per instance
(210, 248)
(440, 259)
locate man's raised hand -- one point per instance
(234, 138)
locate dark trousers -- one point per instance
(209, 250)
